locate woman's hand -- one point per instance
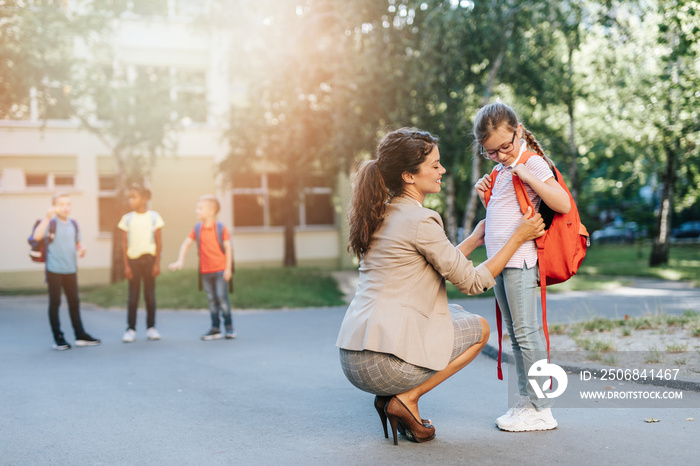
(529, 228)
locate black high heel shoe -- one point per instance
(399, 415)
(379, 404)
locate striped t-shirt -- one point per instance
(503, 213)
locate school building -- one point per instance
(40, 157)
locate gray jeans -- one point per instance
(516, 292)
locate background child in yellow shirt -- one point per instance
(142, 245)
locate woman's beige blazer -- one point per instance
(401, 302)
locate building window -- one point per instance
(48, 180)
(108, 213)
(249, 210)
(318, 207)
(64, 181)
(107, 183)
(192, 95)
(260, 201)
(36, 180)
(108, 210)
(53, 103)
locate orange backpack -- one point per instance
(560, 251)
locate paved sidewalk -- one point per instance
(275, 395)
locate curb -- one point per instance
(679, 384)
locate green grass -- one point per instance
(654, 356)
(22, 291)
(688, 319)
(633, 261)
(595, 345)
(269, 288)
(677, 348)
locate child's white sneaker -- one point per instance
(129, 336)
(152, 334)
(522, 402)
(528, 418)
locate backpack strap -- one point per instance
(499, 325)
(197, 236)
(51, 233)
(129, 217)
(75, 225)
(487, 193)
(154, 222)
(197, 233)
(220, 235)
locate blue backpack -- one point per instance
(220, 237)
(37, 253)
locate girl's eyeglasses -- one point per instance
(503, 149)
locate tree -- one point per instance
(678, 120)
(61, 54)
(37, 59)
(136, 119)
(299, 61)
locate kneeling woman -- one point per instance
(399, 338)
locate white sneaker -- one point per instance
(129, 336)
(528, 419)
(522, 402)
(152, 334)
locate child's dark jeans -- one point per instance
(69, 283)
(142, 270)
(217, 294)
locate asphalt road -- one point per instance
(276, 395)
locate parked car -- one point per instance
(687, 231)
(615, 233)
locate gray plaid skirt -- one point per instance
(385, 374)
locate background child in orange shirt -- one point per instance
(215, 261)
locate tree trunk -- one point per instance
(117, 270)
(450, 207)
(291, 212)
(659, 252)
(573, 150)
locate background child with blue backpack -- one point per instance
(215, 264)
(142, 245)
(57, 238)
